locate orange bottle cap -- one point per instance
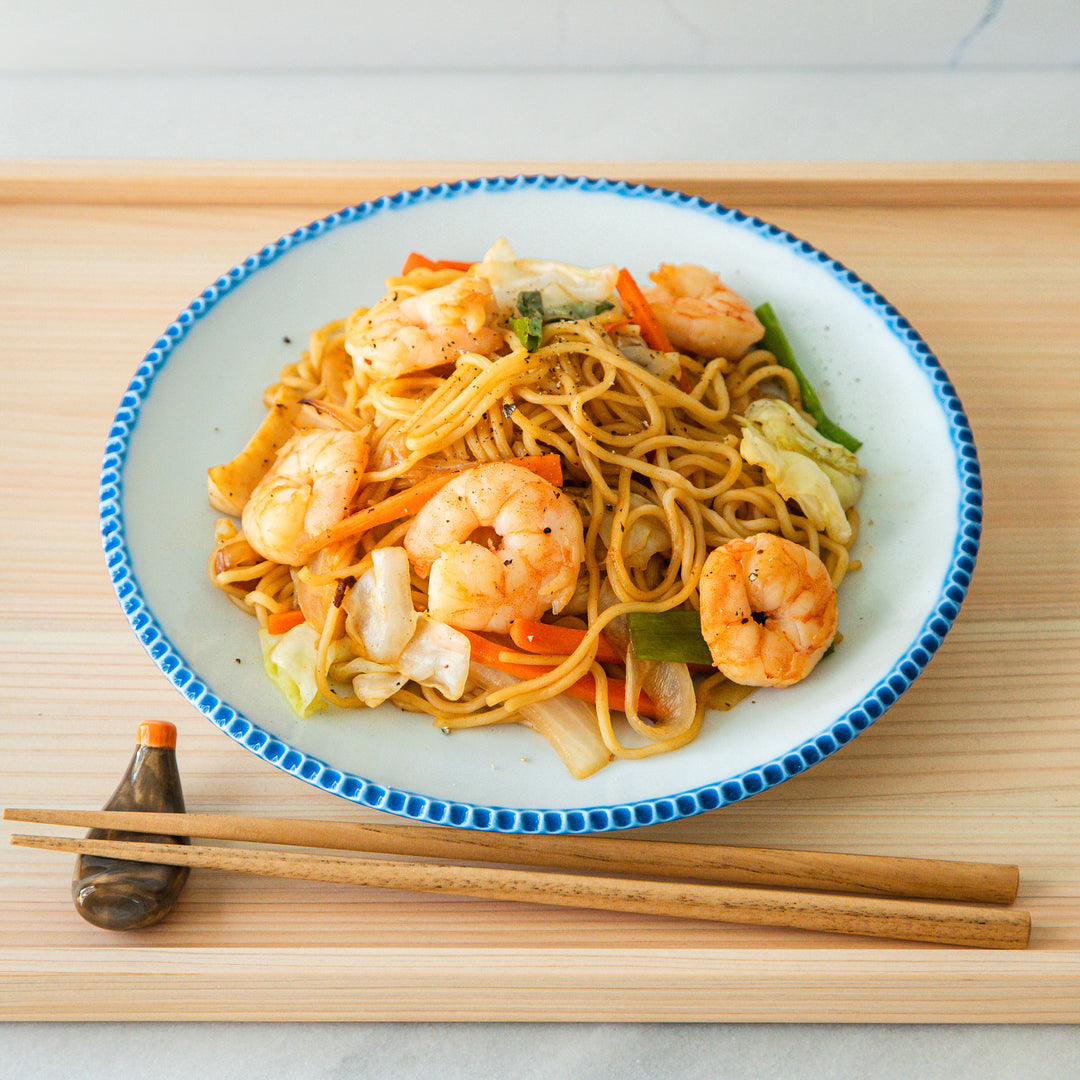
(159, 733)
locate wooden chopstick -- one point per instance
(872, 875)
(908, 920)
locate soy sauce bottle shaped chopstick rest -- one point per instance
(117, 894)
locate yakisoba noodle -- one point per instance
(664, 458)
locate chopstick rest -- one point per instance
(909, 920)
(127, 895)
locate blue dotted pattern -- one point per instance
(505, 819)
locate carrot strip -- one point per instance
(414, 260)
(486, 651)
(539, 637)
(280, 622)
(403, 504)
(585, 689)
(547, 466)
(652, 332)
(638, 307)
(408, 502)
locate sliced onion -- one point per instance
(667, 684)
(670, 688)
(568, 724)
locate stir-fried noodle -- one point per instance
(381, 565)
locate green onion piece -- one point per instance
(528, 324)
(777, 343)
(578, 309)
(668, 635)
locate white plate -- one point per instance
(196, 399)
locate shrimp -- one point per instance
(425, 330)
(768, 610)
(317, 601)
(701, 314)
(306, 490)
(496, 543)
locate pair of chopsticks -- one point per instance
(935, 901)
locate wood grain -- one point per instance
(980, 760)
(340, 183)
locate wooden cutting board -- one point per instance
(980, 760)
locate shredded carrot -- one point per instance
(539, 637)
(403, 504)
(280, 622)
(638, 308)
(652, 332)
(547, 466)
(416, 260)
(486, 651)
(408, 502)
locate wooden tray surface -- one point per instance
(980, 760)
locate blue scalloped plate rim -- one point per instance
(502, 818)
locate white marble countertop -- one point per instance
(970, 81)
(665, 115)
(535, 1051)
(695, 80)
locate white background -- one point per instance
(698, 80)
(495, 80)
